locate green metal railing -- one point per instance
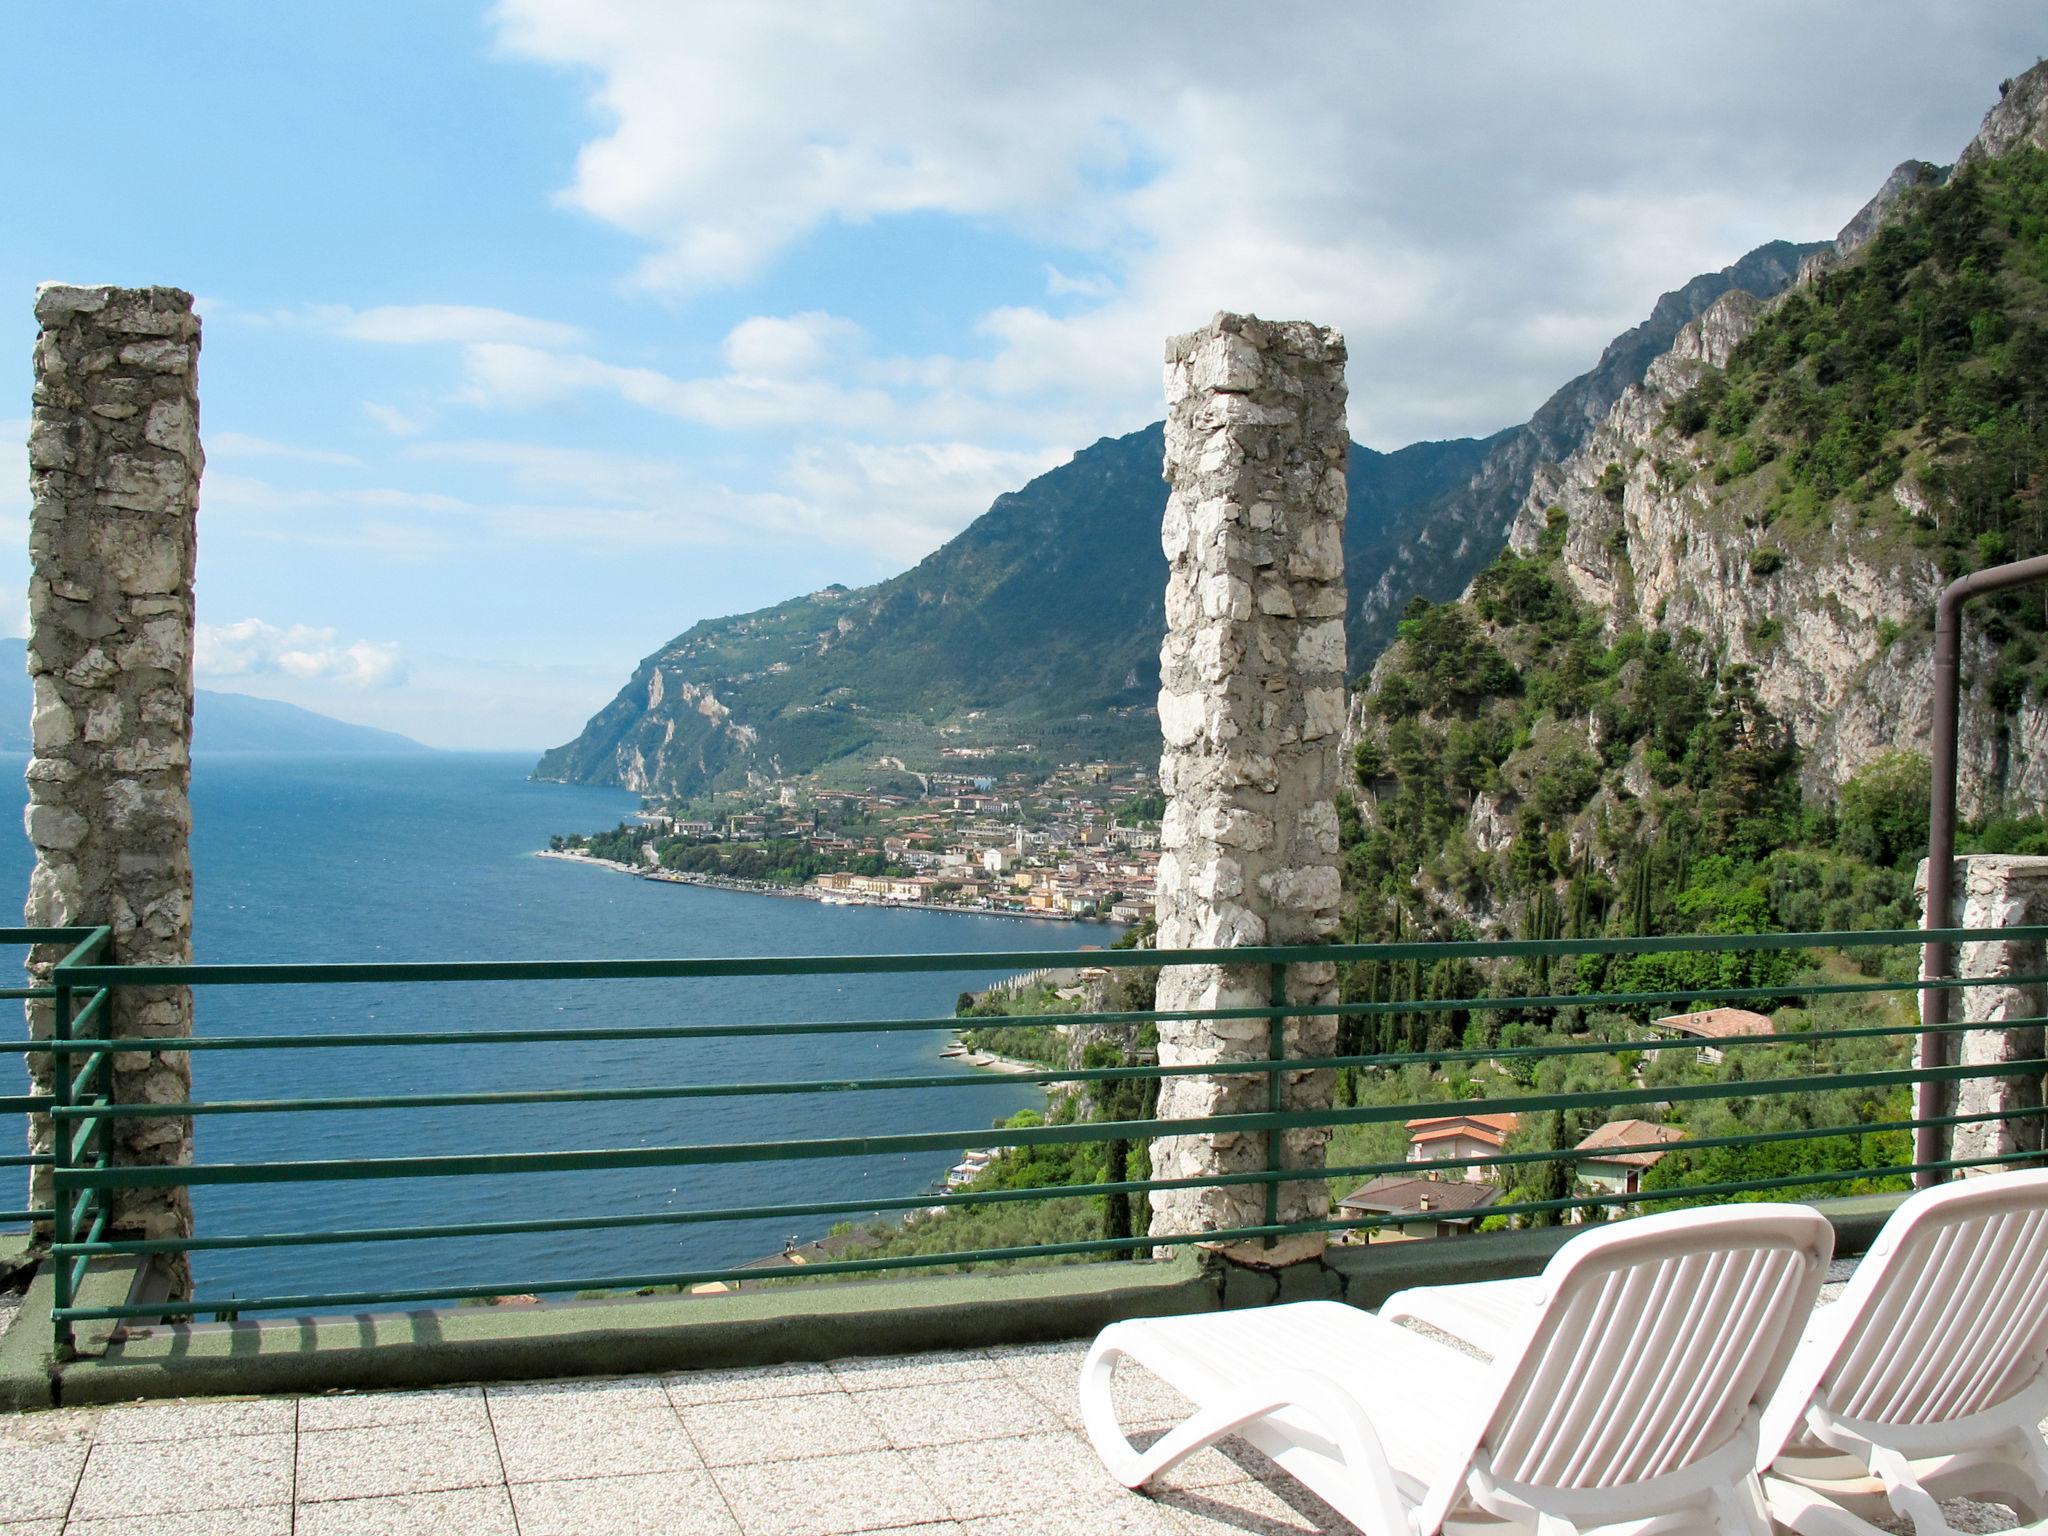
(71, 1083)
(86, 1179)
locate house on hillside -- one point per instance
(1418, 1207)
(1715, 1026)
(1436, 1137)
(1616, 1171)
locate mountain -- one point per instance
(1458, 532)
(1039, 624)
(1698, 681)
(237, 722)
(1034, 634)
(221, 722)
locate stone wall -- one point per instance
(114, 465)
(1252, 709)
(1998, 891)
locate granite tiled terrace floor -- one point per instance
(982, 1443)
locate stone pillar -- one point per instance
(1998, 891)
(114, 466)
(1251, 706)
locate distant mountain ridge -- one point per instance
(221, 722)
(1039, 624)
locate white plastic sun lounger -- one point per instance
(1633, 1395)
(1927, 1380)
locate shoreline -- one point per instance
(989, 1061)
(805, 893)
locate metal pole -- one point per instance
(1941, 835)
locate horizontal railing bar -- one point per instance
(72, 934)
(38, 1213)
(351, 973)
(24, 994)
(27, 1160)
(26, 1104)
(1047, 1076)
(336, 1299)
(956, 1024)
(953, 1198)
(494, 1163)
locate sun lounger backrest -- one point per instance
(1948, 1314)
(1657, 1339)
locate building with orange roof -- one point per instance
(1627, 1150)
(1715, 1025)
(1434, 1138)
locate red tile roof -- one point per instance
(1629, 1133)
(1718, 1023)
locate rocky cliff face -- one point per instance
(1836, 624)
(1466, 525)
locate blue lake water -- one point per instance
(430, 858)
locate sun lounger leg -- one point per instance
(1800, 1509)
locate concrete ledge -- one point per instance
(29, 1374)
(634, 1335)
(769, 1326)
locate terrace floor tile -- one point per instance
(197, 1419)
(264, 1520)
(1236, 1509)
(160, 1477)
(863, 1374)
(1137, 1516)
(451, 1512)
(689, 1388)
(829, 1495)
(393, 1459)
(448, 1407)
(953, 1412)
(1016, 1476)
(780, 1429)
(37, 1480)
(633, 1395)
(575, 1446)
(655, 1504)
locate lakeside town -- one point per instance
(1078, 843)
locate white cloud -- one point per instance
(501, 374)
(903, 500)
(252, 647)
(1089, 285)
(398, 423)
(793, 346)
(222, 492)
(426, 324)
(1429, 179)
(240, 445)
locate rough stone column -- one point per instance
(1998, 891)
(1251, 706)
(114, 466)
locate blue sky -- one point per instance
(537, 331)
